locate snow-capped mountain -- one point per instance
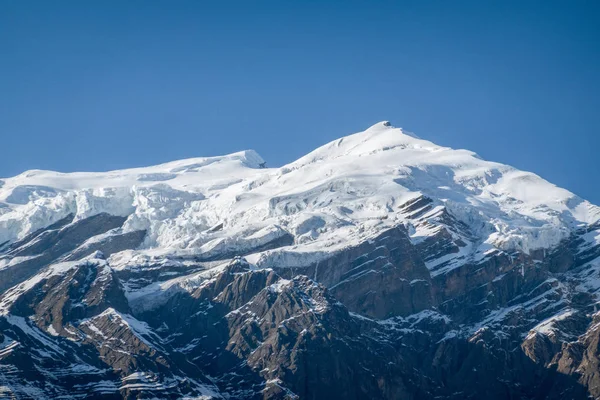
(380, 262)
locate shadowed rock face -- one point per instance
(380, 278)
(109, 245)
(375, 320)
(46, 246)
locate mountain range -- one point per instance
(378, 266)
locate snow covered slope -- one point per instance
(336, 195)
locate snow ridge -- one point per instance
(337, 195)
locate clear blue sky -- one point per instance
(99, 85)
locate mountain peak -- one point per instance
(122, 269)
(369, 174)
(381, 125)
(384, 126)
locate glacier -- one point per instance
(337, 195)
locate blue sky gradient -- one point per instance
(114, 84)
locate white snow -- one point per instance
(278, 286)
(338, 195)
(547, 327)
(52, 331)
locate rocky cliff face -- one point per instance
(380, 266)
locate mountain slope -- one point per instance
(379, 262)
